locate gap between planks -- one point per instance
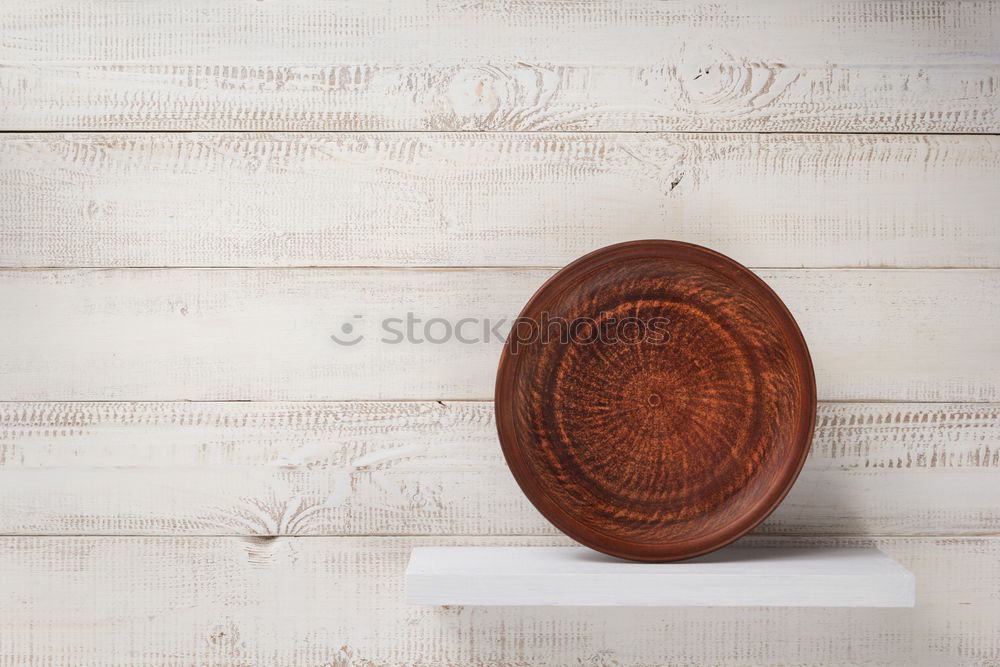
(804, 537)
(443, 402)
(69, 130)
(484, 267)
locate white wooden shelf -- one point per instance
(731, 577)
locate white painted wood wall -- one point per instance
(193, 196)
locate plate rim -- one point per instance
(748, 519)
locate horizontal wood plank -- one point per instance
(436, 468)
(916, 65)
(390, 199)
(251, 334)
(340, 601)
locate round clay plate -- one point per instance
(663, 405)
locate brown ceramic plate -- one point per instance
(670, 435)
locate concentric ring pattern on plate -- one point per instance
(655, 400)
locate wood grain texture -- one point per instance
(438, 199)
(915, 65)
(436, 468)
(674, 420)
(337, 601)
(215, 334)
(538, 199)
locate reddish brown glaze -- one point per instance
(671, 446)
